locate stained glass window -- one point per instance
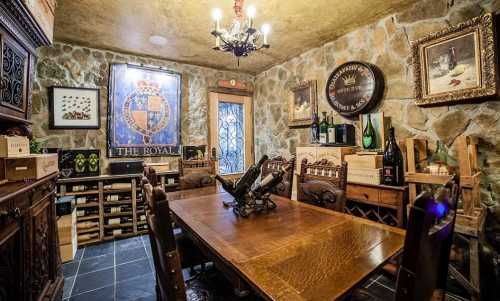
(231, 138)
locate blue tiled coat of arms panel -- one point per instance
(143, 112)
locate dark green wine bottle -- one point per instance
(323, 130)
(331, 130)
(315, 129)
(369, 135)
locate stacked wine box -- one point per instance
(364, 168)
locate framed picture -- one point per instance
(194, 152)
(381, 125)
(74, 108)
(302, 104)
(144, 112)
(456, 64)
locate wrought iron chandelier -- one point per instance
(242, 37)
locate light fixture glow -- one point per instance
(266, 28)
(251, 11)
(158, 40)
(216, 14)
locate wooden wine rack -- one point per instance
(100, 190)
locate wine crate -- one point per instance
(14, 146)
(364, 175)
(159, 167)
(32, 167)
(364, 161)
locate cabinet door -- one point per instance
(11, 267)
(41, 265)
(15, 60)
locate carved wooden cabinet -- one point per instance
(20, 35)
(30, 266)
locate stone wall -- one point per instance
(385, 43)
(74, 66)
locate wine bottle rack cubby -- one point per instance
(110, 206)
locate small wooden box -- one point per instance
(14, 146)
(30, 167)
(364, 175)
(159, 167)
(364, 161)
(334, 154)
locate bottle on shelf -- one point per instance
(82, 188)
(393, 172)
(323, 129)
(87, 212)
(112, 197)
(119, 220)
(369, 139)
(440, 162)
(142, 227)
(315, 129)
(331, 130)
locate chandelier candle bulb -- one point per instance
(217, 14)
(251, 15)
(266, 28)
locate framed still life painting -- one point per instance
(302, 104)
(457, 63)
(73, 108)
(143, 112)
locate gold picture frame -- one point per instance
(456, 64)
(303, 104)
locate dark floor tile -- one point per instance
(133, 269)
(103, 294)
(97, 250)
(78, 255)
(129, 243)
(96, 263)
(92, 281)
(384, 280)
(381, 292)
(123, 256)
(145, 239)
(68, 285)
(139, 288)
(69, 269)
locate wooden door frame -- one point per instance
(212, 117)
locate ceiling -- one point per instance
(297, 25)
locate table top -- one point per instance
(295, 252)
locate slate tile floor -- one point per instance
(115, 270)
(123, 270)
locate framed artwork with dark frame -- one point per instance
(144, 112)
(456, 64)
(303, 104)
(74, 108)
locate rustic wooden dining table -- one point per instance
(295, 252)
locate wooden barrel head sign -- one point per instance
(354, 88)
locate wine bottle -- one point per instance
(247, 180)
(393, 162)
(315, 129)
(331, 130)
(323, 130)
(270, 181)
(86, 212)
(369, 140)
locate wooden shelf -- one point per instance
(117, 214)
(114, 203)
(89, 230)
(87, 205)
(79, 193)
(89, 242)
(118, 226)
(111, 191)
(86, 218)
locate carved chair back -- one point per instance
(424, 269)
(323, 183)
(276, 164)
(169, 280)
(196, 173)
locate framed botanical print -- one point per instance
(457, 63)
(302, 104)
(73, 108)
(144, 112)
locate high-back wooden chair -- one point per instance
(424, 268)
(196, 173)
(323, 183)
(169, 280)
(276, 164)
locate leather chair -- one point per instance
(196, 174)
(284, 188)
(424, 269)
(323, 184)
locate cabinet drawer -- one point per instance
(391, 197)
(362, 193)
